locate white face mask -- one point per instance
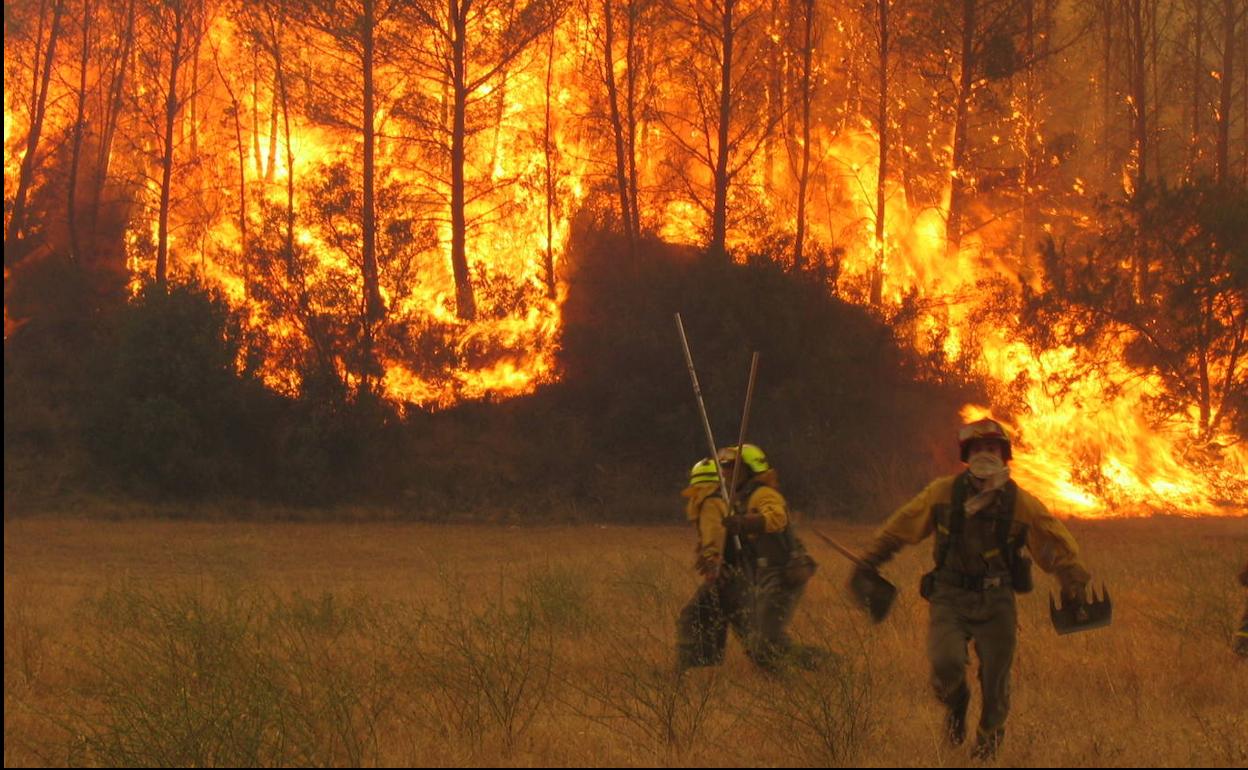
(985, 465)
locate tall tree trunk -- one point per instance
(276, 25)
(290, 156)
(236, 110)
(172, 107)
(1198, 82)
(372, 291)
(719, 213)
(1027, 164)
(112, 115)
(549, 150)
(1231, 11)
(1154, 46)
(775, 86)
(632, 54)
(966, 81)
(271, 164)
(1108, 103)
(465, 303)
(1139, 115)
(257, 158)
(194, 99)
(807, 95)
(71, 210)
(1139, 93)
(26, 173)
(882, 62)
(617, 124)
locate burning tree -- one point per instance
(464, 52)
(384, 189)
(720, 122)
(1188, 323)
(43, 53)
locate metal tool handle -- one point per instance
(706, 422)
(745, 421)
(848, 554)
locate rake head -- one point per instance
(873, 593)
(1076, 615)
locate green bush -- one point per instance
(232, 678)
(167, 410)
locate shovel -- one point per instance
(869, 588)
(1075, 616)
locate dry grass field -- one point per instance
(148, 642)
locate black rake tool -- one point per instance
(1076, 615)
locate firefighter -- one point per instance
(981, 520)
(753, 589)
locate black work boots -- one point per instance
(955, 718)
(987, 743)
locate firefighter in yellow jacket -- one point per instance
(753, 590)
(981, 520)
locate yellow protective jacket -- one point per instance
(1048, 540)
(705, 507)
(766, 501)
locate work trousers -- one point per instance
(989, 619)
(757, 610)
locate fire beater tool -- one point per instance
(867, 585)
(1077, 615)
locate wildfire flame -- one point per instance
(1089, 450)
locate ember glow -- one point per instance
(267, 190)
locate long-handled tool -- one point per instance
(745, 421)
(706, 422)
(867, 585)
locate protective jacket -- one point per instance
(705, 508)
(776, 544)
(976, 551)
(756, 591)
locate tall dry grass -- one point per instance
(180, 643)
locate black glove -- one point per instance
(880, 552)
(708, 566)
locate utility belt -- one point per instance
(972, 582)
(780, 551)
(796, 566)
(950, 520)
(1020, 582)
(795, 571)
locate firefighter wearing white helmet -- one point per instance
(981, 520)
(754, 568)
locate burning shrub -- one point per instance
(1166, 274)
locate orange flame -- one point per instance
(1090, 450)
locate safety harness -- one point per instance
(770, 549)
(950, 531)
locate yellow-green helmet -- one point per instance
(704, 471)
(753, 457)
